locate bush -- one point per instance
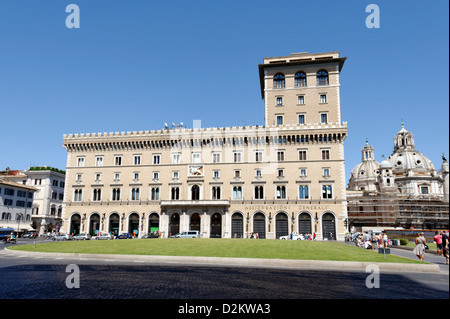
(404, 241)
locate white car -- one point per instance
(61, 237)
(102, 236)
(294, 237)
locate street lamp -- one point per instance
(19, 217)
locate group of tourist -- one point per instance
(441, 240)
(368, 242)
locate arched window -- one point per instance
(195, 192)
(259, 192)
(175, 193)
(237, 192)
(135, 194)
(216, 192)
(281, 192)
(278, 81)
(155, 193)
(300, 79)
(303, 192)
(116, 194)
(327, 192)
(322, 77)
(78, 195)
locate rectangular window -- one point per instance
(279, 101)
(281, 173)
(300, 100)
(216, 174)
(137, 159)
(301, 119)
(424, 190)
(116, 177)
(237, 174)
(324, 118)
(326, 172)
(80, 161)
(155, 175)
(279, 119)
(136, 176)
(280, 156)
(176, 158)
(216, 157)
(196, 157)
(258, 156)
(118, 160)
(99, 161)
(325, 154)
(302, 155)
(258, 173)
(175, 175)
(156, 159)
(303, 172)
(79, 178)
(237, 157)
(98, 177)
(323, 98)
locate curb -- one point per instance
(241, 262)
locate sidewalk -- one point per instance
(240, 262)
(407, 252)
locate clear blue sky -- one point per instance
(134, 65)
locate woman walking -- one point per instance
(419, 250)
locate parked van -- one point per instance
(190, 234)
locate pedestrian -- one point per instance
(438, 240)
(445, 246)
(385, 240)
(419, 250)
(314, 236)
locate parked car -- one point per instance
(31, 234)
(151, 235)
(294, 237)
(102, 236)
(175, 236)
(62, 237)
(189, 234)
(123, 236)
(82, 237)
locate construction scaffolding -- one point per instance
(389, 210)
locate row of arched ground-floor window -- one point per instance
(259, 221)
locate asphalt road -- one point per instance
(44, 278)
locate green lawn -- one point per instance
(244, 248)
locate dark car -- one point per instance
(151, 235)
(123, 236)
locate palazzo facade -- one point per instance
(285, 176)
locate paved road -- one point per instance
(44, 278)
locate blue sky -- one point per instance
(133, 65)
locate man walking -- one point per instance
(445, 246)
